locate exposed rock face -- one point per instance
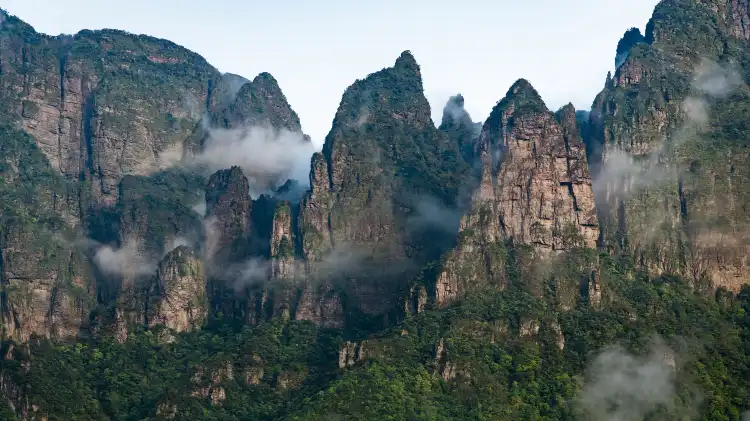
(256, 103)
(382, 152)
(178, 299)
(535, 189)
(44, 285)
(97, 102)
(541, 186)
(228, 207)
(733, 14)
(351, 353)
(661, 193)
(282, 242)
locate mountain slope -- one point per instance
(668, 149)
(539, 265)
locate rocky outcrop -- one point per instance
(210, 384)
(102, 104)
(382, 151)
(178, 299)
(256, 103)
(283, 243)
(227, 222)
(351, 353)
(658, 186)
(534, 189)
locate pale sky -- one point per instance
(316, 49)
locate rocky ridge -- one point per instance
(399, 216)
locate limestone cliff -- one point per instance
(45, 287)
(662, 192)
(534, 189)
(178, 299)
(102, 104)
(383, 156)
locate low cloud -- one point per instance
(200, 207)
(716, 81)
(268, 157)
(429, 213)
(178, 242)
(454, 109)
(122, 261)
(342, 262)
(127, 260)
(624, 387)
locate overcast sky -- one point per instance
(315, 49)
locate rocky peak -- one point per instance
(541, 192)
(228, 207)
(569, 120)
(179, 299)
(534, 189)
(457, 124)
(408, 64)
(454, 112)
(641, 112)
(382, 151)
(261, 102)
(224, 90)
(521, 100)
(631, 37)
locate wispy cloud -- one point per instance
(624, 387)
(268, 157)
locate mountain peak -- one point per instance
(457, 100)
(406, 59)
(523, 97)
(265, 79)
(567, 110)
(262, 101)
(523, 87)
(407, 62)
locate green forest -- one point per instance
(476, 360)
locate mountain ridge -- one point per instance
(470, 270)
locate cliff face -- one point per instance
(534, 189)
(113, 142)
(45, 287)
(109, 116)
(102, 104)
(662, 191)
(361, 222)
(178, 300)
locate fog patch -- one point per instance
(625, 172)
(620, 386)
(122, 261)
(267, 156)
(429, 213)
(200, 208)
